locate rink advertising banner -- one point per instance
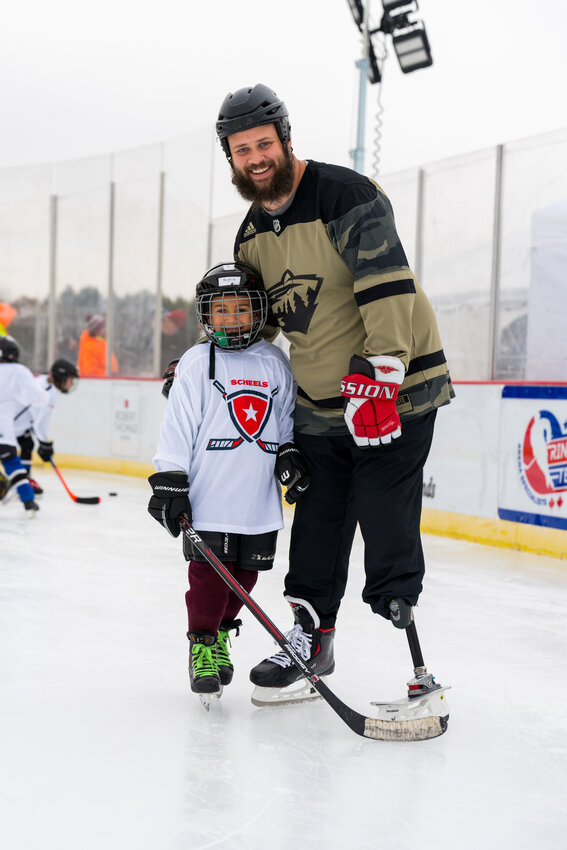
(125, 440)
(533, 455)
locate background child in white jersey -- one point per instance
(17, 389)
(225, 436)
(32, 421)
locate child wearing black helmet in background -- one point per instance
(226, 434)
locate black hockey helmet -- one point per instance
(61, 370)
(230, 279)
(251, 107)
(9, 350)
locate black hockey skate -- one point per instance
(274, 676)
(31, 507)
(203, 669)
(225, 665)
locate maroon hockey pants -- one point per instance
(379, 488)
(209, 599)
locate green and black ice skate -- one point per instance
(203, 667)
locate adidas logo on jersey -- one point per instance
(250, 231)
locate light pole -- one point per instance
(411, 46)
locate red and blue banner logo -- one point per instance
(544, 457)
(537, 429)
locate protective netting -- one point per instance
(107, 250)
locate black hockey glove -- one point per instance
(168, 377)
(291, 471)
(170, 499)
(45, 450)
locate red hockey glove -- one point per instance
(370, 394)
(291, 471)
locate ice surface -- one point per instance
(103, 746)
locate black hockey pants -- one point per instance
(381, 489)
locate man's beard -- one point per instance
(280, 185)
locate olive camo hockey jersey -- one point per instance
(339, 284)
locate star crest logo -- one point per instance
(250, 412)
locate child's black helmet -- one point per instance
(9, 350)
(249, 107)
(62, 369)
(226, 281)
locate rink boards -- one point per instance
(497, 472)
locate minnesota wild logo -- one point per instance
(293, 301)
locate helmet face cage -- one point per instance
(251, 107)
(221, 286)
(9, 350)
(60, 371)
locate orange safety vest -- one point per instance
(91, 362)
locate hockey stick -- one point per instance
(416, 729)
(81, 500)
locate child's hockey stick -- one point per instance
(416, 729)
(81, 500)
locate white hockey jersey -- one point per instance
(38, 417)
(18, 388)
(225, 434)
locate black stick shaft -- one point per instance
(381, 730)
(352, 718)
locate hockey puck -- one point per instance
(113, 494)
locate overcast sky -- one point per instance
(83, 78)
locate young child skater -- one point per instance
(225, 442)
(31, 421)
(17, 389)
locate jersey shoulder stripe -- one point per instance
(385, 290)
(325, 193)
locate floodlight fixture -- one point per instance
(412, 49)
(410, 44)
(357, 11)
(391, 5)
(374, 75)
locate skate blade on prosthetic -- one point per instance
(301, 691)
(432, 704)
(207, 699)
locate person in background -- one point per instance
(91, 360)
(177, 335)
(225, 436)
(366, 354)
(32, 420)
(17, 388)
(7, 313)
(172, 321)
